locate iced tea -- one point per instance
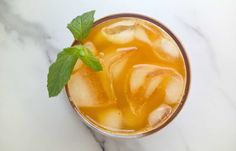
(142, 82)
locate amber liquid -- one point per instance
(115, 99)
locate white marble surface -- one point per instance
(32, 32)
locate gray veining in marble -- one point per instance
(210, 49)
(26, 29)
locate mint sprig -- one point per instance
(87, 58)
(61, 69)
(81, 25)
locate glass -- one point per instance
(121, 31)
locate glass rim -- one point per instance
(178, 108)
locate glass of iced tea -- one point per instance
(144, 82)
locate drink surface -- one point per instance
(142, 82)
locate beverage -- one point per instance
(144, 81)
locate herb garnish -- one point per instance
(60, 71)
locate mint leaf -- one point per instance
(61, 69)
(81, 25)
(87, 57)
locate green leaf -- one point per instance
(61, 69)
(87, 57)
(81, 25)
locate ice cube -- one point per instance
(159, 114)
(120, 33)
(152, 86)
(106, 81)
(139, 74)
(118, 60)
(125, 31)
(116, 68)
(166, 46)
(144, 80)
(142, 83)
(149, 76)
(124, 23)
(147, 26)
(111, 118)
(86, 90)
(141, 35)
(174, 90)
(78, 65)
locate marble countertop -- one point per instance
(32, 32)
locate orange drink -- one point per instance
(144, 81)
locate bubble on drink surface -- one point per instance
(166, 48)
(111, 118)
(159, 114)
(86, 90)
(174, 90)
